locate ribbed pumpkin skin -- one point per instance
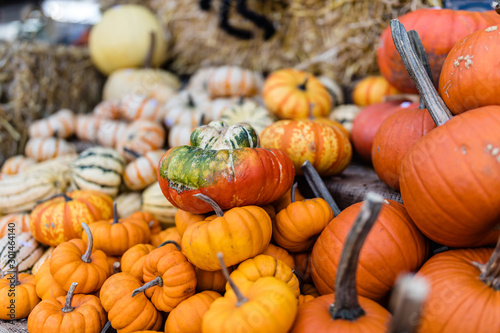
(42, 149)
(313, 317)
(142, 172)
(394, 138)
(303, 265)
(46, 286)
(392, 247)
(439, 30)
(24, 296)
(211, 280)
(238, 177)
(168, 234)
(469, 79)
(56, 221)
(132, 261)
(368, 121)
(458, 301)
(183, 219)
(188, 315)
(371, 90)
(450, 180)
(16, 164)
(279, 253)
(326, 147)
(242, 233)
(284, 98)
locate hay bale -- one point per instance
(37, 80)
(337, 38)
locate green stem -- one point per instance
(241, 299)
(69, 297)
(346, 304)
(156, 282)
(86, 256)
(211, 202)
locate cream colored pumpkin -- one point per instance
(16, 164)
(142, 171)
(138, 106)
(154, 202)
(110, 132)
(128, 203)
(218, 106)
(140, 137)
(87, 127)
(234, 81)
(334, 89)
(199, 80)
(42, 149)
(345, 115)
(122, 39)
(248, 112)
(187, 109)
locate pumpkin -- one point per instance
(41, 149)
(211, 280)
(16, 164)
(140, 137)
(467, 80)
(226, 81)
(449, 179)
(155, 203)
(186, 108)
(153, 223)
(73, 313)
(76, 261)
(263, 265)
(184, 219)
(110, 132)
(17, 294)
(394, 232)
(115, 236)
(334, 89)
(57, 220)
(372, 90)
(128, 203)
(132, 261)
(345, 311)
(142, 171)
(193, 309)
(269, 299)
(345, 115)
(398, 132)
(279, 253)
(248, 112)
(128, 313)
(440, 29)
(170, 234)
(108, 109)
(303, 266)
(145, 81)
(218, 105)
(199, 80)
(288, 94)
(367, 123)
(46, 286)
(14, 223)
(43, 258)
(224, 164)
(87, 127)
(239, 233)
(22, 249)
(139, 106)
(169, 278)
(326, 147)
(60, 124)
(99, 169)
(122, 39)
(457, 279)
(286, 199)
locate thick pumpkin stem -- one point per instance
(115, 212)
(211, 202)
(241, 299)
(490, 272)
(171, 242)
(69, 297)
(156, 282)
(303, 86)
(131, 152)
(148, 62)
(117, 267)
(418, 47)
(346, 304)
(318, 186)
(438, 110)
(407, 300)
(86, 256)
(106, 327)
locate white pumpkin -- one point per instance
(60, 124)
(122, 39)
(234, 81)
(345, 115)
(110, 132)
(248, 112)
(128, 203)
(154, 202)
(187, 109)
(142, 171)
(41, 149)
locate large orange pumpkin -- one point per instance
(59, 219)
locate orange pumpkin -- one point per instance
(327, 148)
(140, 137)
(16, 164)
(142, 171)
(75, 261)
(168, 234)
(228, 81)
(288, 93)
(58, 220)
(42, 149)
(183, 219)
(60, 124)
(17, 223)
(286, 199)
(211, 280)
(279, 253)
(17, 295)
(303, 266)
(147, 217)
(132, 261)
(371, 90)
(46, 286)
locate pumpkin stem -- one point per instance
(211, 202)
(86, 256)
(346, 304)
(115, 212)
(292, 192)
(418, 47)
(191, 102)
(156, 282)
(490, 272)
(69, 297)
(171, 242)
(131, 152)
(318, 186)
(438, 110)
(202, 120)
(241, 299)
(106, 327)
(303, 86)
(64, 195)
(406, 303)
(148, 62)
(116, 267)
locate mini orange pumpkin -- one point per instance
(303, 266)
(132, 261)
(211, 280)
(153, 222)
(371, 90)
(46, 286)
(17, 295)
(183, 219)
(279, 253)
(168, 234)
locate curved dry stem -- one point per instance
(438, 110)
(117, 268)
(211, 202)
(106, 327)
(69, 297)
(86, 256)
(171, 242)
(156, 282)
(241, 299)
(346, 304)
(418, 47)
(318, 186)
(115, 212)
(292, 192)
(490, 272)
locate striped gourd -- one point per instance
(248, 112)
(199, 80)
(110, 132)
(42, 149)
(16, 164)
(128, 203)
(43, 258)
(99, 169)
(25, 253)
(187, 109)
(17, 223)
(154, 202)
(87, 127)
(229, 81)
(19, 193)
(60, 124)
(109, 109)
(135, 106)
(142, 171)
(179, 135)
(141, 136)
